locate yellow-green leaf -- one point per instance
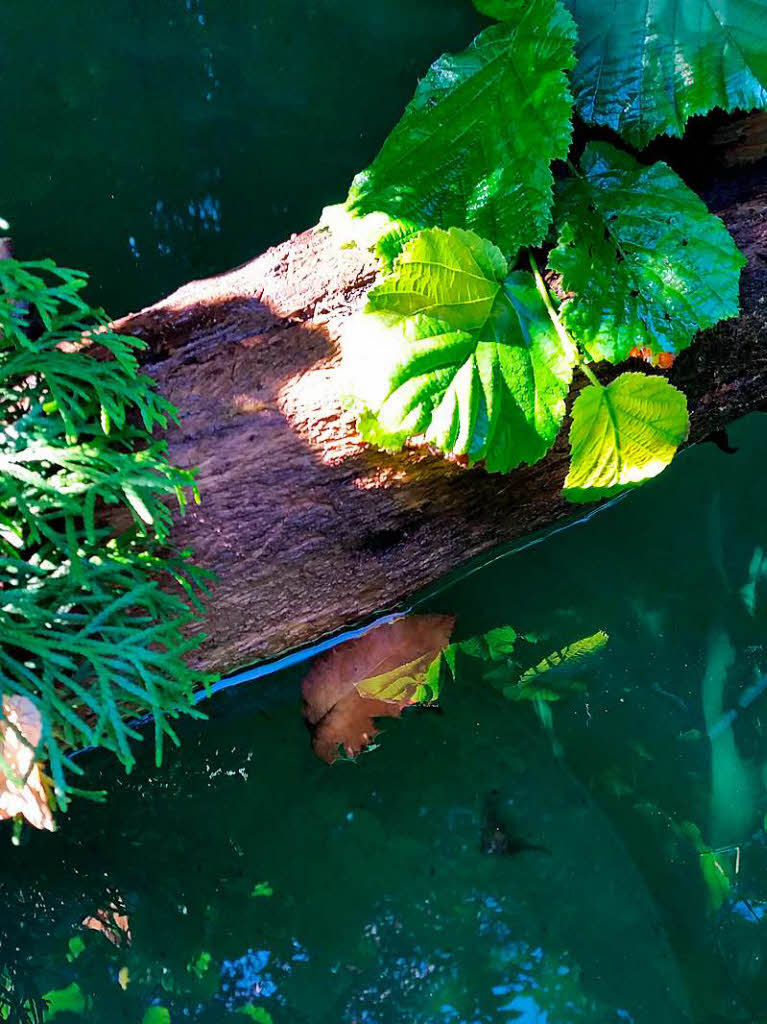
(452, 351)
(623, 434)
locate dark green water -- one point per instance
(152, 142)
(384, 909)
(254, 875)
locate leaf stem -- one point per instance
(540, 284)
(559, 327)
(584, 367)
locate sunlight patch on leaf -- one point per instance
(623, 434)
(373, 231)
(452, 275)
(451, 351)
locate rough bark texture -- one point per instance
(307, 528)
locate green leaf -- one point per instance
(262, 889)
(200, 966)
(495, 645)
(257, 1013)
(649, 265)
(452, 275)
(474, 146)
(553, 677)
(646, 67)
(713, 871)
(715, 878)
(65, 1000)
(623, 434)
(156, 1015)
(546, 688)
(75, 947)
(391, 243)
(488, 379)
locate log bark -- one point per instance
(306, 527)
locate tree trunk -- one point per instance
(307, 528)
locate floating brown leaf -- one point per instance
(22, 790)
(374, 676)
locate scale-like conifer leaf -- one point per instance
(623, 434)
(646, 66)
(649, 266)
(449, 351)
(474, 146)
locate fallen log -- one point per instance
(307, 528)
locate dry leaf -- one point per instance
(112, 924)
(374, 676)
(22, 719)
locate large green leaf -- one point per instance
(646, 66)
(623, 434)
(649, 266)
(474, 146)
(449, 351)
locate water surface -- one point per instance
(153, 143)
(253, 874)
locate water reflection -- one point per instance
(484, 864)
(354, 893)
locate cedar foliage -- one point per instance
(91, 621)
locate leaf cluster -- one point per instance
(507, 653)
(465, 345)
(92, 617)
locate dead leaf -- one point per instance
(374, 676)
(22, 722)
(112, 924)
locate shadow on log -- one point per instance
(307, 528)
